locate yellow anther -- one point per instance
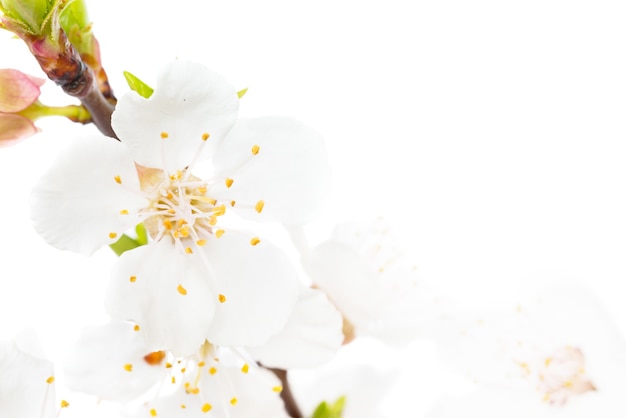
(201, 242)
(188, 250)
(168, 365)
(548, 361)
(167, 224)
(171, 211)
(212, 220)
(259, 206)
(183, 370)
(164, 135)
(202, 190)
(128, 367)
(277, 389)
(155, 358)
(206, 407)
(254, 241)
(112, 235)
(205, 136)
(170, 195)
(201, 364)
(213, 201)
(124, 212)
(229, 182)
(219, 233)
(182, 290)
(233, 401)
(64, 403)
(255, 149)
(118, 179)
(221, 298)
(153, 412)
(245, 368)
(173, 380)
(568, 384)
(180, 222)
(187, 384)
(132, 279)
(232, 203)
(136, 327)
(50, 380)
(183, 406)
(212, 370)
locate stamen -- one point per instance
(188, 250)
(155, 358)
(255, 149)
(201, 242)
(133, 279)
(182, 290)
(64, 403)
(277, 389)
(168, 365)
(259, 206)
(112, 235)
(206, 407)
(205, 136)
(128, 367)
(50, 380)
(212, 370)
(221, 298)
(124, 212)
(183, 406)
(164, 135)
(153, 412)
(118, 179)
(232, 203)
(136, 327)
(254, 241)
(219, 233)
(229, 182)
(233, 401)
(245, 368)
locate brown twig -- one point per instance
(291, 406)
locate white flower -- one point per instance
(26, 379)
(557, 353)
(371, 282)
(198, 278)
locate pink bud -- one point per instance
(14, 128)
(17, 91)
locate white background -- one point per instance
(491, 134)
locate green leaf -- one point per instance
(324, 410)
(125, 243)
(242, 93)
(137, 85)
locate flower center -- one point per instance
(179, 208)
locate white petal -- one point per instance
(290, 173)
(108, 361)
(188, 101)
(24, 388)
(347, 279)
(154, 296)
(77, 204)
(310, 338)
(259, 284)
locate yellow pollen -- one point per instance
(201, 364)
(164, 135)
(183, 370)
(118, 179)
(133, 279)
(182, 290)
(50, 380)
(229, 182)
(221, 298)
(205, 136)
(232, 203)
(212, 370)
(183, 406)
(193, 391)
(168, 365)
(201, 242)
(136, 327)
(206, 407)
(259, 206)
(245, 368)
(153, 412)
(188, 250)
(112, 235)
(124, 212)
(128, 367)
(64, 403)
(155, 358)
(277, 389)
(254, 241)
(173, 380)
(255, 149)
(219, 233)
(233, 401)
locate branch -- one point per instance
(286, 395)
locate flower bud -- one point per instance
(18, 91)
(30, 14)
